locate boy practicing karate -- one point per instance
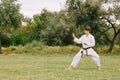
(87, 41)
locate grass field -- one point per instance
(52, 67)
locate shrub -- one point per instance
(35, 45)
(57, 35)
(5, 39)
(23, 36)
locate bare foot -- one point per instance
(70, 68)
(98, 68)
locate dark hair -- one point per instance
(87, 28)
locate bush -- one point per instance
(23, 36)
(57, 35)
(53, 28)
(37, 47)
(18, 37)
(5, 39)
(33, 47)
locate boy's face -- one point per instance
(86, 32)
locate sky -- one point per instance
(31, 7)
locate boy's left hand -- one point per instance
(73, 35)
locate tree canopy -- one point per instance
(55, 28)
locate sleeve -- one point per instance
(78, 41)
(92, 43)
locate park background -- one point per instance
(47, 29)
(39, 46)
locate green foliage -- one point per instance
(102, 21)
(19, 37)
(10, 14)
(41, 20)
(33, 47)
(52, 29)
(37, 47)
(55, 28)
(5, 39)
(56, 35)
(22, 36)
(83, 14)
(10, 17)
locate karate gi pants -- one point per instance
(90, 52)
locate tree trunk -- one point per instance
(112, 43)
(0, 48)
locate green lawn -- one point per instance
(52, 67)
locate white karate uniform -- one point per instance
(90, 41)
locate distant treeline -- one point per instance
(55, 28)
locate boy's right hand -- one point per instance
(73, 35)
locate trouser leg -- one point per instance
(95, 57)
(76, 59)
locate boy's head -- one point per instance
(87, 30)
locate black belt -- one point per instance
(85, 50)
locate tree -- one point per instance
(10, 13)
(52, 28)
(86, 13)
(10, 16)
(41, 21)
(111, 16)
(90, 13)
(0, 48)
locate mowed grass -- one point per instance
(52, 67)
